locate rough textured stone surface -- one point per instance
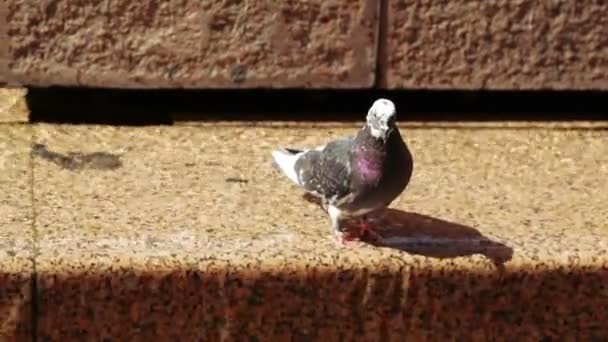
(506, 44)
(187, 231)
(16, 234)
(220, 44)
(13, 107)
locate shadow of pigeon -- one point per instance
(431, 237)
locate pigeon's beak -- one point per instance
(385, 132)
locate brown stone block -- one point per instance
(191, 44)
(523, 44)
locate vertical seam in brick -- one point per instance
(4, 48)
(34, 281)
(381, 45)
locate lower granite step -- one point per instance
(188, 233)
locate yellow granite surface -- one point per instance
(13, 107)
(15, 233)
(187, 231)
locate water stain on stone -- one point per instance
(152, 242)
(77, 161)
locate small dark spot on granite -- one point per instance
(11, 253)
(255, 299)
(236, 180)
(77, 161)
(196, 278)
(238, 74)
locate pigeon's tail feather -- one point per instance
(285, 160)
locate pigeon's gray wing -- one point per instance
(326, 172)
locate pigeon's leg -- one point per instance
(334, 216)
(343, 239)
(325, 206)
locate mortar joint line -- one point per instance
(381, 45)
(34, 247)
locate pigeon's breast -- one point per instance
(369, 168)
(380, 175)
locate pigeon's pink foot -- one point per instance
(350, 242)
(366, 229)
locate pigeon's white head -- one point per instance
(381, 118)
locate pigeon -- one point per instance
(356, 175)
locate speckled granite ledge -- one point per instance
(13, 107)
(187, 232)
(16, 234)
